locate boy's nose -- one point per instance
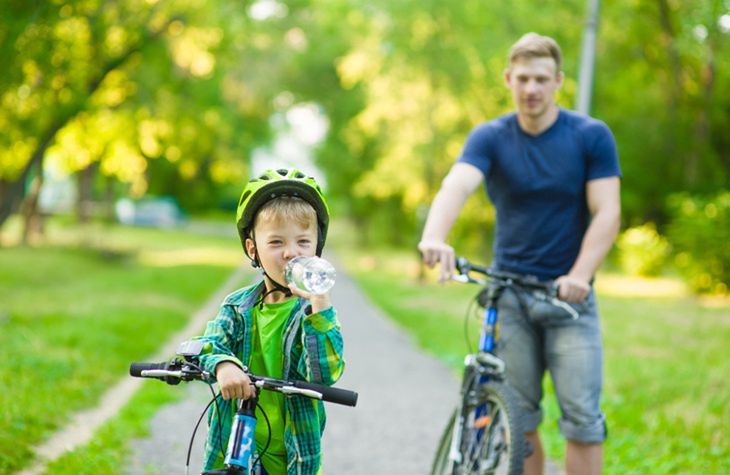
(290, 252)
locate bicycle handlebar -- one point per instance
(463, 266)
(175, 371)
(546, 291)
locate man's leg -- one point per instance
(575, 359)
(535, 463)
(520, 346)
(583, 459)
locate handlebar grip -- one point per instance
(135, 369)
(329, 394)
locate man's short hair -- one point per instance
(532, 45)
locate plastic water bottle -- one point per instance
(311, 274)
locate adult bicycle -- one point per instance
(241, 456)
(484, 435)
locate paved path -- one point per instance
(405, 397)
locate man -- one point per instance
(553, 177)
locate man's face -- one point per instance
(534, 82)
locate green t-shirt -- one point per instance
(267, 359)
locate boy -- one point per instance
(272, 330)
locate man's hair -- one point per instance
(286, 209)
(532, 45)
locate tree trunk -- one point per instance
(13, 191)
(703, 137)
(675, 62)
(109, 198)
(32, 218)
(84, 198)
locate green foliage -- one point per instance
(642, 250)
(700, 232)
(73, 317)
(173, 97)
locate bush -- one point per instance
(699, 231)
(642, 250)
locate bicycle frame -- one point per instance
(475, 364)
(241, 444)
(485, 435)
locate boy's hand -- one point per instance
(319, 302)
(233, 381)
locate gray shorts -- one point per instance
(536, 337)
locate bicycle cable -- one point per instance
(268, 438)
(195, 430)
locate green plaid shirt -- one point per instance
(312, 346)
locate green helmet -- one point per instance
(282, 182)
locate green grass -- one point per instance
(76, 311)
(667, 391)
(107, 452)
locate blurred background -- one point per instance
(109, 100)
(153, 113)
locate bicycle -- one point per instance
(484, 436)
(241, 447)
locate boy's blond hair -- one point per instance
(286, 209)
(532, 45)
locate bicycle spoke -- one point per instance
(486, 444)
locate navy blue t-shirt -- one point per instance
(538, 187)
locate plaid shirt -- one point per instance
(312, 346)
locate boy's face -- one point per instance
(279, 241)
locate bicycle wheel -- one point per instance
(493, 442)
(441, 463)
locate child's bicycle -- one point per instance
(484, 436)
(239, 457)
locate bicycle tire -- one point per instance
(493, 443)
(441, 460)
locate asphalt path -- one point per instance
(405, 398)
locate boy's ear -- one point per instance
(251, 251)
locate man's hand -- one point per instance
(572, 289)
(233, 381)
(434, 252)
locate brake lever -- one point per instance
(466, 279)
(565, 306)
(463, 278)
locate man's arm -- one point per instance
(604, 204)
(456, 188)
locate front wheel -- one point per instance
(441, 463)
(492, 439)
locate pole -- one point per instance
(587, 58)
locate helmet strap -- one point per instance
(277, 286)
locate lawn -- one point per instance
(76, 310)
(667, 392)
